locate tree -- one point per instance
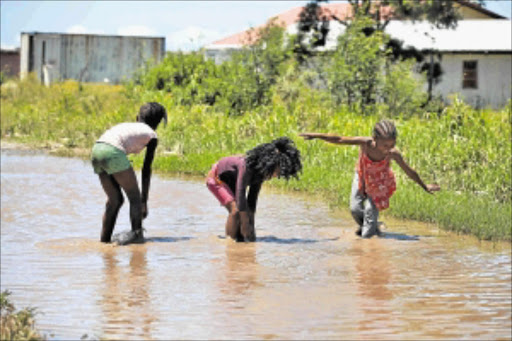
(314, 23)
(355, 73)
(440, 13)
(313, 28)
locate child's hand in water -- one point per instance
(431, 188)
(248, 232)
(250, 237)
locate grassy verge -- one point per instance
(466, 151)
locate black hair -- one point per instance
(152, 113)
(385, 129)
(282, 153)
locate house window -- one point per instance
(469, 74)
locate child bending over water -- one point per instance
(110, 162)
(230, 176)
(374, 181)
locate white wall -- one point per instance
(494, 79)
(219, 54)
(24, 55)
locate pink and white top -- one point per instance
(131, 137)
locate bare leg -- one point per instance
(128, 182)
(233, 222)
(114, 202)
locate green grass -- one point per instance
(466, 151)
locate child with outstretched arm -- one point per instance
(231, 176)
(374, 182)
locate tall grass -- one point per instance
(466, 151)
(68, 113)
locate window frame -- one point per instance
(470, 74)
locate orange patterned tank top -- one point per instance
(376, 179)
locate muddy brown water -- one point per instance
(306, 277)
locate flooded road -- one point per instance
(306, 277)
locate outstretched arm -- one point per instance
(411, 173)
(146, 174)
(331, 138)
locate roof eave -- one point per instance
(473, 51)
(480, 9)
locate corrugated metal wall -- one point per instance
(89, 58)
(10, 62)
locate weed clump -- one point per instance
(16, 325)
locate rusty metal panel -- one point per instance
(10, 62)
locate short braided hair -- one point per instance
(385, 129)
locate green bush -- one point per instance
(235, 86)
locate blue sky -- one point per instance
(186, 25)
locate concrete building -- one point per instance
(86, 57)
(476, 56)
(10, 62)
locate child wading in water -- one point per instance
(374, 181)
(230, 176)
(110, 162)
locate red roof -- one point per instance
(341, 11)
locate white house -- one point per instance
(476, 56)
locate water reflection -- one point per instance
(166, 239)
(399, 236)
(373, 275)
(240, 273)
(274, 239)
(373, 270)
(126, 302)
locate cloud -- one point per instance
(122, 31)
(190, 38)
(79, 29)
(9, 47)
(136, 30)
